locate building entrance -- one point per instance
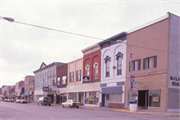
(143, 98)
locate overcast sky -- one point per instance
(23, 48)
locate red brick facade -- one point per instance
(90, 59)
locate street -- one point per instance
(30, 111)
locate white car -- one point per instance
(71, 103)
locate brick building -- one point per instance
(61, 81)
(155, 51)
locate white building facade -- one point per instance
(113, 72)
(45, 76)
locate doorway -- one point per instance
(143, 98)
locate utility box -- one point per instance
(133, 106)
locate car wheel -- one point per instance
(78, 107)
(45, 104)
(42, 104)
(49, 104)
(63, 106)
(69, 106)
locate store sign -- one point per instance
(85, 79)
(174, 81)
(111, 84)
(45, 89)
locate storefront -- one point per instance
(37, 94)
(61, 95)
(112, 95)
(147, 98)
(87, 94)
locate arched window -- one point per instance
(119, 57)
(107, 68)
(87, 68)
(107, 62)
(96, 70)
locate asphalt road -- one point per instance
(17, 111)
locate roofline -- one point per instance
(90, 47)
(149, 23)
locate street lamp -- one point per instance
(131, 76)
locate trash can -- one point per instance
(133, 106)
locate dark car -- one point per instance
(23, 101)
(44, 101)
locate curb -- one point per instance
(146, 113)
(133, 112)
(173, 115)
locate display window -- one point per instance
(92, 97)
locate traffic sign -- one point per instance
(131, 76)
(131, 84)
(131, 90)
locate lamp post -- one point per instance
(131, 76)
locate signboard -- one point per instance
(111, 84)
(131, 90)
(85, 79)
(137, 85)
(45, 89)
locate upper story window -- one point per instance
(107, 62)
(78, 75)
(71, 79)
(119, 66)
(63, 79)
(119, 57)
(58, 81)
(96, 70)
(150, 62)
(87, 68)
(136, 65)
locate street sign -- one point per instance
(131, 80)
(131, 90)
(46, 89)
(131, 76)
(131, 84)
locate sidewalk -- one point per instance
(142, 111)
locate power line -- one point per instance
(12, 20)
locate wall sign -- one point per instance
(45, 89)
(85, 79)
(137, 85)
(174, 82)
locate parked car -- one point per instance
(23, 101)
(10, 100)
(44, 101)
(5, 100)
(71, 103)
(18, 101)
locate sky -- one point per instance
(23, 48)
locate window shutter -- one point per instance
(70, 77)
(155, 61)
(80, 75)
(77, 75)
(73, 76)
(144, 63)
(139, 64)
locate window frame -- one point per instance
(78, 75)
(71, 76)
(63, 83)
(147, 65)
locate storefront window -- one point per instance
(91, 97)
(115, 98)
(72, 96)
(154, 98)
